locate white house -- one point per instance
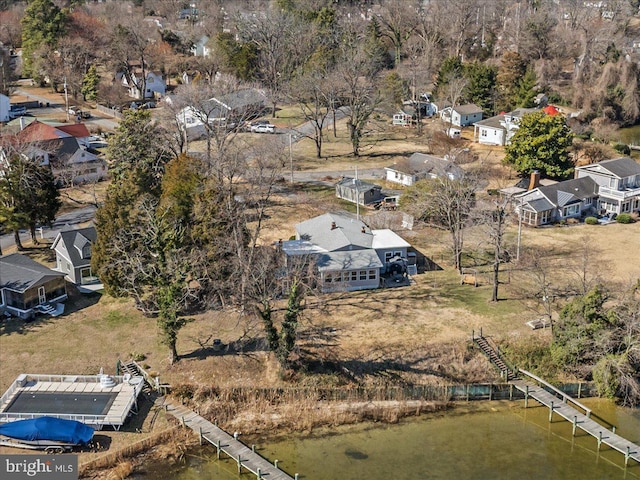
(234, 107)
(200, 48)
(5, 106)
(154, 84)
(499, 129)
(462, 115)
(618, 180)
(419, 166)
(348, 255)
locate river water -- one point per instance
(477, 440)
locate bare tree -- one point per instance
(357, 72)
(398, 21)
(493, 217)
(282, 44)
(314, 96)
(446, 204)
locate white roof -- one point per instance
(387, 239)
(301, 247)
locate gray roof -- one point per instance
(336, 231)
(468, 109)
(621, 167)
(422, 163)
(20, 273)
(349, 260)
(245, 98)
(74, 241)
(360, 185)
(493, 122)
(568, 192)
(540, 205)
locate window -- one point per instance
(570, 210)
(354, 276)
(483, 133)
(387, 256)
(86, 251)
(363, 274)
(372, 274)
(327, 278)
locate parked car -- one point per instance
(263, 128)
(17, 111)
(85, 114)
(149, 105)
(73, 110)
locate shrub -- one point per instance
(622, 148)
(591, 221)
(624, 218)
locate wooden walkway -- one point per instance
(558, 402)
(245, 457)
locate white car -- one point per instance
(263, 128)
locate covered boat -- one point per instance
(47, 431)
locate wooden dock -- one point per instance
(246, 458)
(558, 402)
(579, 420)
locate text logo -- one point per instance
(43, 467)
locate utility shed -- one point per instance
(357, 191)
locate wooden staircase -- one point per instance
(493, 354)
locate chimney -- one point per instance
(534, 180)
(22, 125)
(333, 225)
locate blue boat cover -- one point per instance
(48, 428)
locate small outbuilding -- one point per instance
(358, 191)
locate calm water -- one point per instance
(497, 440)
(629, 135)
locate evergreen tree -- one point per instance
(42, 25)
(451, 68)
(90, 83)
(512, 69)
(481, 88)
(541, 143)
(28, 196)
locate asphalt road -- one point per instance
(63, 222)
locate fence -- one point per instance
(465, 392)
(111, 459)
(109, 111)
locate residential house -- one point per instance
(619, 184)
(419, 166)
(225, 111)
(358, 191)
(28, 288)
(73, 254)
(499, 129)
(200, 48)
(462, 115)
(560, 201)
(5, 106)
(60, 148)
(348, 255)
(132, 77)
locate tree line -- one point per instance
(497, 54)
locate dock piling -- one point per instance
(200, 434)
(526, 397)
(253, 447)
(551, 412)
(275, 463)
(575, 424)
(239, 464)
(218, 448)
(259, 474)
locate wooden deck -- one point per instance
(245, 457)
(580, 420)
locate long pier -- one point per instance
(245, 457)
(560, 405)
(558, 402)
